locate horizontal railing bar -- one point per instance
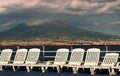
(71, 51)
(85, 51)
(49, 56)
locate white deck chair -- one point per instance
(32, 58)
(92, 57)
(60, 59)
(109, 61)
(5, 57)
(76, 57)
(91, 60)
(19, 57)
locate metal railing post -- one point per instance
(43, 53)
(106, 49)
(71, 48)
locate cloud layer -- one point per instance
(79, 7)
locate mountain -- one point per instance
(55, 30)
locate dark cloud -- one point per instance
(101, 1)
(106, 0)
(26, 13)
(74, 9)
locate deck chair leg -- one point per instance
(46, 68)
(58, 69)
(92, 71)
(53, 67)
(119, 70)
(43, 69)
(13, 67)
(1, 68)
(109, 70)
(28, 68)
(61, 67)
(83, 69)
(112, 72)
(67, 67)
(31, 67)
(75, 70)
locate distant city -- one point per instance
(59, 42)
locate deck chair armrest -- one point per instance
(67, 62)
(49, 62)
(114, 64)
(37, 61)
(10, 61)
(99, 63)
(82, 63)
(118, 64)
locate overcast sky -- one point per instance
(97, 15)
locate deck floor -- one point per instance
(35, 72)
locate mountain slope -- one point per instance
(52, 30)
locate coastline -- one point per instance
(55, 44)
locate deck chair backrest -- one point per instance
(110, 59)
(5, 56)
(92, 57)
(20, 56)
(76, 56)
(61, 56)
(33, 56)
